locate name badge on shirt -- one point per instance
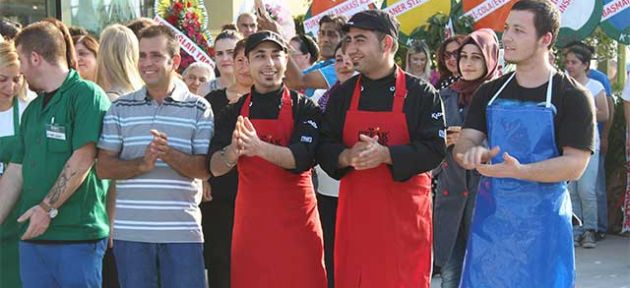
(54, 131)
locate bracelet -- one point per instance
(229, 164)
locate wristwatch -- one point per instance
(52, 211)
(228, 163)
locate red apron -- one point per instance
(383, 229)
(277, 240)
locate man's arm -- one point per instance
(251, 145)
(223, 161)
(296, 79)
(601, 105)
(110, 166)
(468, 151)
(278, 155)
(71, 177)
(567, 167)
(10, 189)
(191, 166)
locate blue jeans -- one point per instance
(451, 271)
(165, 265)
(583, 196)
(61, 265)
(602, 201)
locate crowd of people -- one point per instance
(299, 162)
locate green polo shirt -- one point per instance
(48, 137)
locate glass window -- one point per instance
(27, 11)
(95, 15)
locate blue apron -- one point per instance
(521, 230)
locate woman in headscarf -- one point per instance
(454, 201)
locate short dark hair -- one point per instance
(172, 44)
(229, 26)
(546, 17)
(381, 35)
(582, 52)
(240, 45)
(50, 39)
(307, 45)
(138, 24)
(9, 29)
(77, 31)
(337, 20)
(228, 34)
(343, 44)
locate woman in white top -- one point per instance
(13, 102)
(583, 192)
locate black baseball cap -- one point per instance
(263, 36)
(377, 20)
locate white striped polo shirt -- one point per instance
(160, 206)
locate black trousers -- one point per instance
(217, 222)
(327, 207)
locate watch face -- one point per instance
(53, 213)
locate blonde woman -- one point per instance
(418, 60)
(13, 101)
(117, 73)
(117, 62)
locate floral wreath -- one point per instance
(191, 19)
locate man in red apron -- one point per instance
(540, 126)
(382, 132)
(270, 136)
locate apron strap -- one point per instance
(285, 105)
(16, 116)
(401, 91)
(501, 89)
(549, 90)
(399, 95)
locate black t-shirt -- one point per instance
(306, 116)
(575, 119)
(424, 115)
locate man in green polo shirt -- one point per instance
(62, 203)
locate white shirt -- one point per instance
(596, 88)
(326, 185)
(6, 119)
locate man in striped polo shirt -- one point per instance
(154, 143)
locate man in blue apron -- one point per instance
(539, 124)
